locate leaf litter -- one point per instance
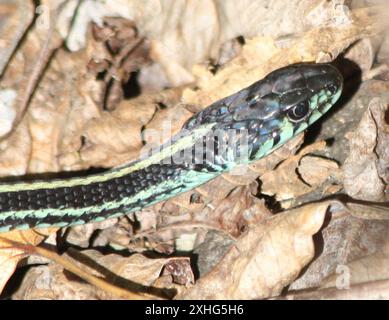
(80, 116)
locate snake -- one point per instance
(236, 130)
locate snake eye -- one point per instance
(332, 88)
(299, 111)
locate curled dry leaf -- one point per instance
(366, 269)
(135, 273)
(49, 282)
(230, 215)
(81, 235)
(56, 111)
(235, 212)
(298, 175)
(315, 170)
(125, 52)
(365, 169)
(368, 211)
(59, 111)
(10, 254)
(16, 16)
(117, 137)
(363, 278)
(208, 24)
(362, 53)
(261, 55)
(265, 259)
(351, 232)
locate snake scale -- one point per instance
(262, 117)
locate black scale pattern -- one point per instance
(259, 108)
(93, 194)
(87, 195)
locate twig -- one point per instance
(68, 265)
(41, 62)
(178, 226)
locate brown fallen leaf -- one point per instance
(260, 55)
(298, 175)
(368, 211)
(315, 170)
(207, 24)
(374, 290)
(363, 278)
(363, 54)
(265, 259)
(351, 232)
(230, 216)
(10, 255)
(16, 16)
(131, 277)
(365, 169)
(370, 268)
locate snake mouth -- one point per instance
(323, 101)
(330, 101)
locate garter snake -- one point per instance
(267, 113)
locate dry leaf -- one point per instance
(343, 239)
(285, 182)
(365, 169)
(316, 170)
(65, 128)
(364, 278)
(261, 55)
(209, 24)
(10, 255)
(362, 53)
(368, 211)
(135, 272)
(265, 259)
(81, 235)
(366, 269)
(16, 16)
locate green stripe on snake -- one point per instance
(263, 117)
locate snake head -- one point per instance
(276, 108)
(294, 92)
(284, 104)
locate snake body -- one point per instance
(266, 114)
